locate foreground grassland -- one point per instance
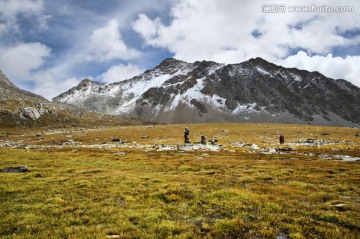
(134, 192)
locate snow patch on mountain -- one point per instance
(263, 71)
(214, 68)
(296, 77)
(246, 108)
(140, 87)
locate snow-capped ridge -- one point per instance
(204, 91)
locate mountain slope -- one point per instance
(22, 109)
(252, 91)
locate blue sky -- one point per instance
(49, 46)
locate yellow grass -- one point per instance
(75, 192)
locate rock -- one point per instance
(19, 169)
(70, 141)
(272, 150)
(42, 108)
(120, 153)
(286, 149)
(30, 113)
(190, 147)
(113, 236)
(357, 135)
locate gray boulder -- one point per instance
(19, 169)
(30, 113)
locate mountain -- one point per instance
(204, 91)
(23, 109)
(9, 91)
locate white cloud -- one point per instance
(9, 11)
(121, 72)
(49, 87)
(147, 28)
(333, 67)
(20, 60)
(223, 31)
(106, 44)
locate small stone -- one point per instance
(113, 236)
(286, 149)
(70, 141)
(19, 169)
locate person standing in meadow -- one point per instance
(282, 139)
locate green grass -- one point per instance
(93, 193)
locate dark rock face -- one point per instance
(251, 91)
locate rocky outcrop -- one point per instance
(30, 113)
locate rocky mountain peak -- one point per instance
(170, 65)
(170, 62)
(260, 62)
(87, 82)
(205, 91)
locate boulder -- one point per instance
(30, 113)
(19, 169)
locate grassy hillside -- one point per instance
(88, 189)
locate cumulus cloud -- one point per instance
(106, 44)
(19, 61)
(147, 28)
(49, 87)
(10, 10)
(230, 31)
(224, 31)
(121, 72)
(330, 66)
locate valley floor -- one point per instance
(135, 182)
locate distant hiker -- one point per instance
(282, 139)
(187, 136)
(203, 140)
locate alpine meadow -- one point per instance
(179, 119)
(134, 182)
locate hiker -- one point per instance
(203, 140)
(187, 136)
(282, 139)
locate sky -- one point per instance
(49, 46)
